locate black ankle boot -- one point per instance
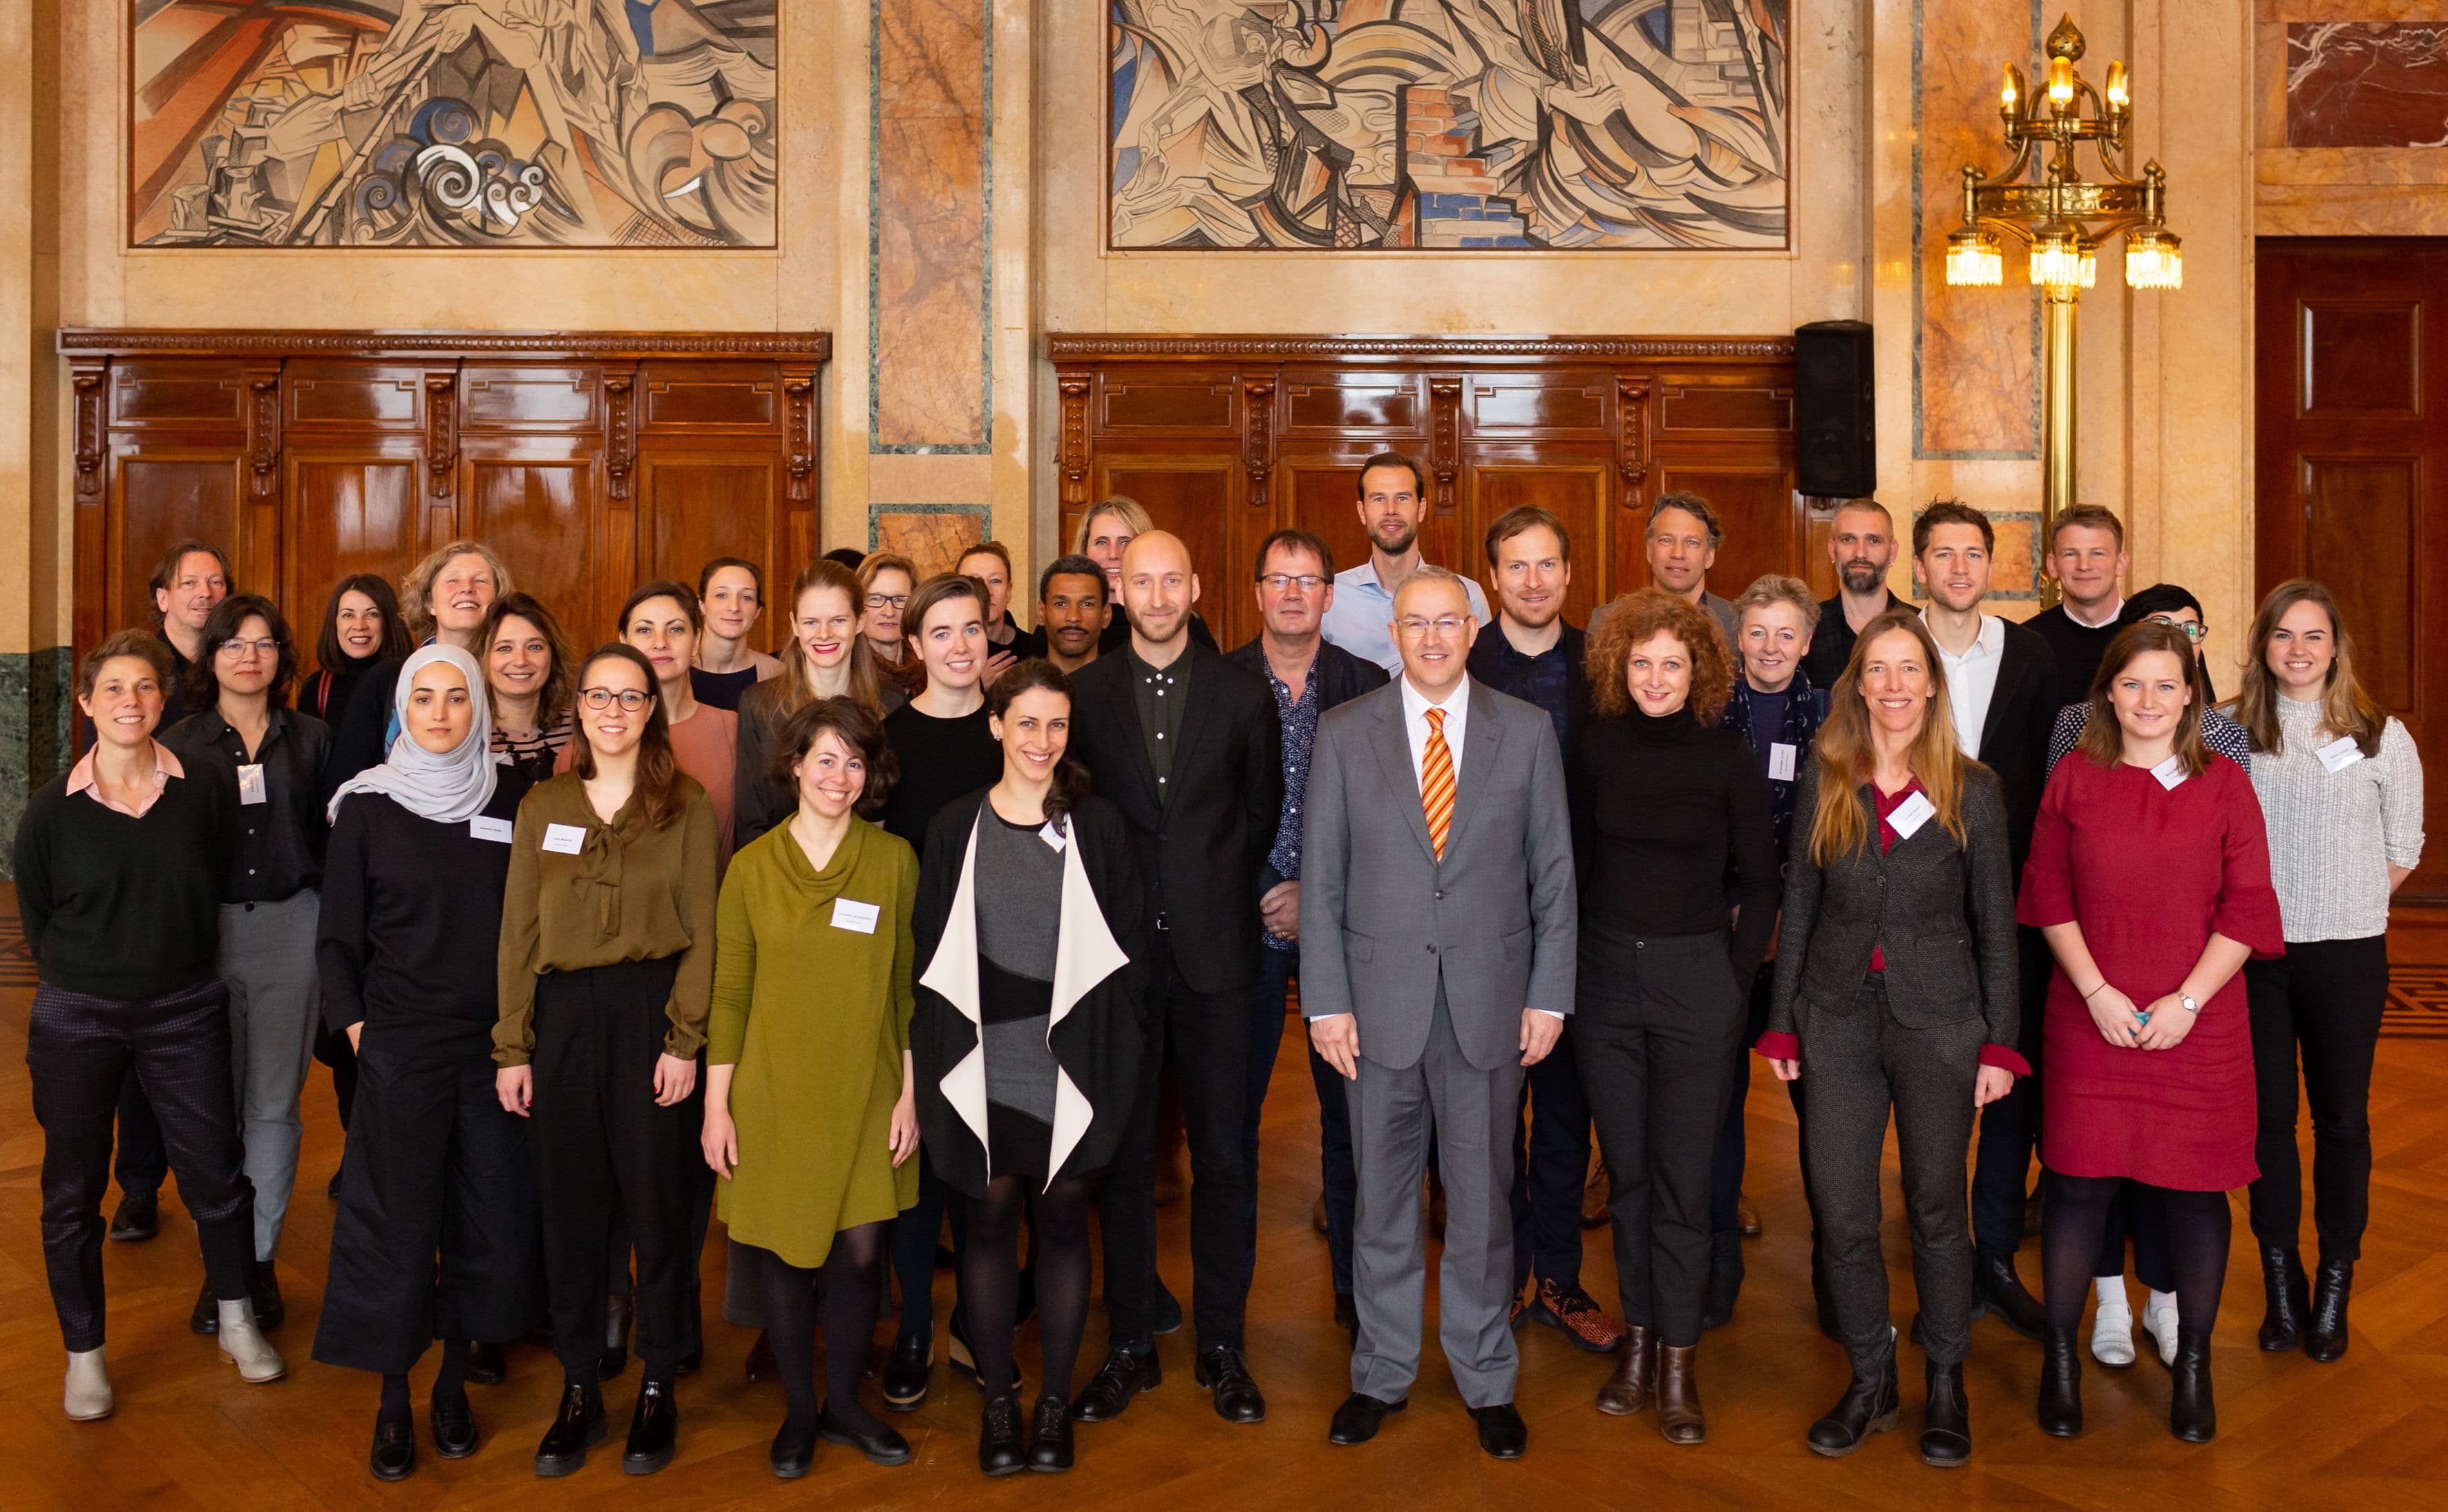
(1946, 1427)
(2060, 1406)
(2289, 1299)
(2192, 1415)
(1868, 1406)
(2324, 1335)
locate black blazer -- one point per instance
(1203, 847)
(2015, 736)
(1943, 914)
(1485, 664)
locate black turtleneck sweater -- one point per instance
(1672, 820)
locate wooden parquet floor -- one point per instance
(2368, 1435)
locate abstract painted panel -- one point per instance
(2366, 84)
(453, 124)
(1447, 124)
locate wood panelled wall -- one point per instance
(1226, 438)
(590, 462)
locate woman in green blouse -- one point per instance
(809, 1112)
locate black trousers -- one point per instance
(2322, 1000)
(80, 1051)
(141, 1161)
(437, 1233)
(1209, 1035)
(600, 1139)
(1655, 1022)
(1550, 1169)
(2010, 1127)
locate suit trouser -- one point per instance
(80, 1052)
(1550, 1169)
(1209, 1033)
(2324, 998)
(437, 1230)
(1277, 970)
(141, 1161)
(2010, 1127)
(1860, 1064)
(267, 959)
(1658, 1018)
(600, 1139)
(1470, 1113)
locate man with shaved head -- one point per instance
(1186, 744)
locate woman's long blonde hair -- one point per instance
(1842, 824)
(866, 682)
(2345, 708)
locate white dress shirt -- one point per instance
(1363, 612)
(1972, 678)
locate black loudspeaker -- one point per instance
(1834, 406)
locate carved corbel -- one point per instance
(1631, 429)
(1259, 436)
(90, 382)
(1444, 432)
(620, 451)
(1072, 447)
(441, 432)
(799, 430)
(264, 431)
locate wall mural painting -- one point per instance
(452, 124)
(1285, 125)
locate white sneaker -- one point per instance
(2159, 1321)
(243, 1345)
(88, 1395)
(2112, 1333)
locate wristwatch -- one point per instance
(2186, 998)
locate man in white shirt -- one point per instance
(1393, 504)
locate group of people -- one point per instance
(930, 915)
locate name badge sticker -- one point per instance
(1054, 837)
(250, 783)
(2170, 772)
(565, 840)
(486, 828)
(2335, 756)
(1780, 762)
(851, 914)
(1910, 815)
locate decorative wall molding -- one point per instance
(1068, 347)
(809, 346)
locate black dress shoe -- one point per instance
(1347, 1317)
(1870, 1405)
(2192, 1415)
(2325, 1336)
(486, 1364)
(882, 1447)
(454, 1425)
(576, 1429)
(2288, 1298)
(1502, 1432)
(1049, 1446)
(1947, 1424)
(793, 1451)
(654, 1430)
(263, 1295)
(618, 1311)
(395, 1452)
(1999, 1289)
(1000, 1451)
(906, 1368)
(1125, 1375)
(139, 1216)
(1237, 1400)
(1357, 1420)
(206, 1318)
(2060, 1405)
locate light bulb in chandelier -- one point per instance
(1974, 259)
(2153, 259)
(2062, 260)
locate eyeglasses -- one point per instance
(629, 699)
(1444, 625)
(2194, 630)
(1282, 582)
(888, 601)
(238, 650)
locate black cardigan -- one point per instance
(1100, 1044)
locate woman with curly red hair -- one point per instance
(1667, 806)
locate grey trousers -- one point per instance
(267, 958)
(1391, 1112)
(1858, 1063)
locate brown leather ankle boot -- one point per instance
(1626, 1392)
(1679, 1395)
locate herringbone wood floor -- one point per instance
(2369, 1433)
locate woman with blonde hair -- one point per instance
(828, 657)
(444, 599)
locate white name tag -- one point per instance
(485, 828)
(1053, 837)
(1780, 762)
(566, 840)
(250, 783)
(1910, 815)
(2170, 772)
(855, 916)
(2335, 756)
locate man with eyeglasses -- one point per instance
(1307, 675)
(1392, 507)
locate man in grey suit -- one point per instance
(1436, 896)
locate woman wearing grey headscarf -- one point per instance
(437, 1235)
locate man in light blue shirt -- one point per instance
(1393, 503)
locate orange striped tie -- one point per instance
(1437, 781)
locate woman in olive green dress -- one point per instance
(809, 1112)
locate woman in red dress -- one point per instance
(2150, 876)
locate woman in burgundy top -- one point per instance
(2150, 876)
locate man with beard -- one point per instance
(1393, 503)
(1863, 546)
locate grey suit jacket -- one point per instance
(1382, 919)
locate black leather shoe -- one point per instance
(793, 1451)
(206, 1318)
(883, 1447)
(654, 1430)
(1502, 1432)
(1360, 1416)
(1000, 1451)
(1237, 1400)
(1125, 1375)
(138, 1216)
(2288, 1298)
(907, 1368)
(1049, 1446)
(1725, 1284)
(486, 1364)
(454, 1425)
(1346, 1318)
(2325, 1336)
(263, 1295)
(576, 1429)
(2192, 1415)
(1947, 1424)
(395, 1452)
(618, 1311)
(1168, 1309)
(1870, 1405)
(1997, 1289)
(2060, 1405)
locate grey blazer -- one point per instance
(1381, 919)
(1942, 912)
